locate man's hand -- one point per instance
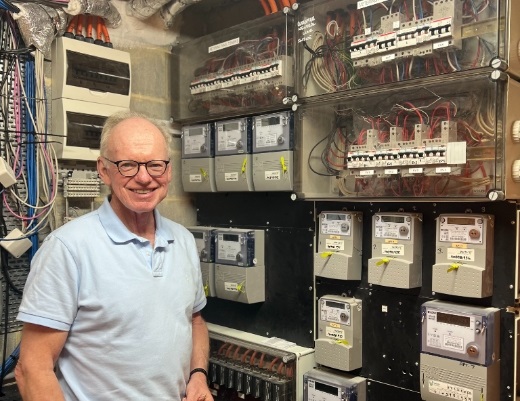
(197, 388)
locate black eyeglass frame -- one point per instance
(139, 164)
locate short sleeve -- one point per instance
(50, 295)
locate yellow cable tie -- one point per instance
(343, 342)
(282, 162)
(326, 254)
(244, 166)
(204, 173)
(206, 290)
(383, 261)
(453, 266)
(240, 287)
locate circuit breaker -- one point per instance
(460, 352)
(240, 265)
(339, 245)
(198, 161)
(326, 384)
(233, 158)
(464, 255)
(273, 145)
(205, 241)
(338, 345)
(396, 250)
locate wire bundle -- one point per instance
(81, 27)
(23, 146)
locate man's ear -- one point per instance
(103, 171)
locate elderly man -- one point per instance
(111, 307)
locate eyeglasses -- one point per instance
(129, 168)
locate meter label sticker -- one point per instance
(338, 334)
(334, 245)
(392, 249)
(453, 343)
(195, 177)
(231, 177)
(367, 3)
(272, 175)
(232, 287)
(223, 45)
(461, 255)
(450, 390)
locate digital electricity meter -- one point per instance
(198, 163)
(273, 132)
(396, 250)
(198, 140)
(233, 136)
(239, 268)
(464, 332)
(240, 247)
(205, 241)
(338, 345)
(464, 255)
(320, 384)
(339, 245)
(460, 352)
(273, 156)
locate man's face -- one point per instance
(135, 139)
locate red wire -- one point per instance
(72, 24)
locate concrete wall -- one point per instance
(149, 46)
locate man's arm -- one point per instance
(197, 388)
(34, 372)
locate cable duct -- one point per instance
(170, 10)
(143, 9)
(39, 24)
(100, 8)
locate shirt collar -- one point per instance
(118, 232)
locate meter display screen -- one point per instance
(337, 305)
(457, 320)
(270, 121)
(230, 237)
(326, 388)
(230, 126)
(392, 219)
(464, 221)
(336, 216)
(196, 131)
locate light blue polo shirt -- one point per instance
(127, 307)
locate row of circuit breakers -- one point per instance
(243, 154)
(463, 257)
(232, 263)
(460, 352)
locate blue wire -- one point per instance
(10, 362)
(31, 151)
